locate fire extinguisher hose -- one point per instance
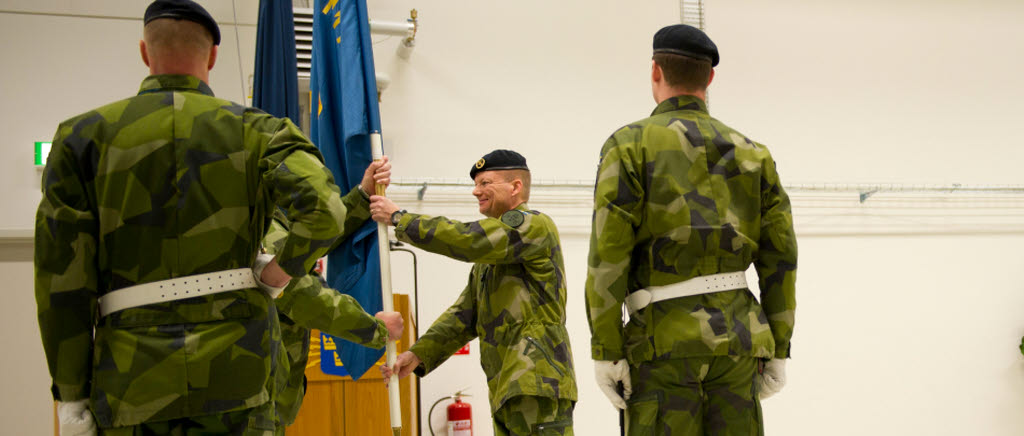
(431, 412)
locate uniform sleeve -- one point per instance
(298, 182)
(453, 329)
(311, 304)
(776, 260)
(488, 241)
(357, 212)
(617, 211)
(66, 274)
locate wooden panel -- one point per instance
(323, 411)
(368, 408)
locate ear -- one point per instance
(655, 72)
(213, 58)
(517, 187)
(142, 51)
(711, 77)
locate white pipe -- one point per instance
(403, 28)
(404, 49)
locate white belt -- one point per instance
(695, 286)
(177, 289)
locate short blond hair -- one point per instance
(524, 176)
(178, 38)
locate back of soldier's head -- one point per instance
(684, 72)
(686, 56)
(170, 38)
(179, 30)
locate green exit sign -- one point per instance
(42, 152)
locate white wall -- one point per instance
(895, 334)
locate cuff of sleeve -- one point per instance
(67, 393)
(427, 362)
(601, 353)
(782, 350)
(420, 371)
(358, 199)
(362, 193)
(403, 223)
(380, 337)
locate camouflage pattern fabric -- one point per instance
(256, 422)
(307, 303)
(713, 396)
(539, 416)
(170, 183)
(515, 302)
(681, 195)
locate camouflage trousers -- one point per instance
(258, 421)
(712, 395)
(539, 416)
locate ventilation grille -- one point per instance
(692, 12)
(303, 40)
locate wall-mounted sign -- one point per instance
(42, 152)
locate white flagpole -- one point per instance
(394, 399)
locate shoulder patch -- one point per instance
(513, 218)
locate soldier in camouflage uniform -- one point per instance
(308, 304)
(681, 196)
(171, 183)
(514, 301)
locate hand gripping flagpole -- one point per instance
(384, 248)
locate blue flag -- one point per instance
(345, 112)
(276, 77)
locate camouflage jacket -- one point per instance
(680, 195)
(170, 183)
(514, 302)
(308, 304)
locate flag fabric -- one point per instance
(276, 76)
(345, 112)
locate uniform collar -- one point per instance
(681, 103)
(174, 82)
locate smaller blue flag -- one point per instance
(276, 76)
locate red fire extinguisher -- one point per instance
(460, 416)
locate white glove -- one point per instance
(771, 380)
(608, 374)
(75, 418)
(262, 260)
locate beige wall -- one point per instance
(895, 334)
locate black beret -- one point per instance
(499, 160)
(183, 10)
(686, 40)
